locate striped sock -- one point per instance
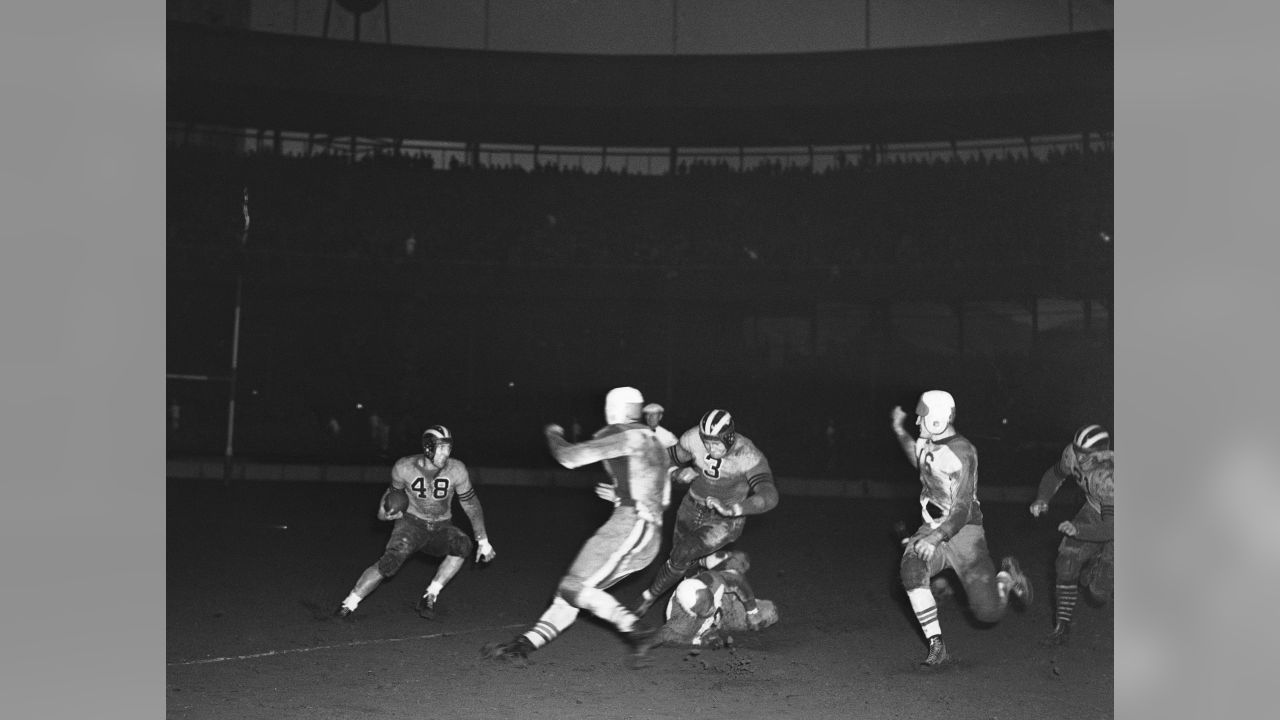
(1066, 595)
(926, 610)
(553, 622)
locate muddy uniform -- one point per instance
(427, 525)
(952, 520)
(1087, 558)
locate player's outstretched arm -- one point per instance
(575, 455)
(905, 441)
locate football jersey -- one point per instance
(430, 489)
(949, 484)
(1095, 474)
(635, 458)
(729, 479)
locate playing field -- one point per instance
(255, 569)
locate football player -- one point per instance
(731, 480)
(706, 608)
(634, 455)
(951, 534)
(431, 479)
(1086, 555)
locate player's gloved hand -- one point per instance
(606, 492)
(730, 510)
(898, 416)
(685, 475)
(1068, 528)
(924, 548)
(484, 551)
(384, 515)
(1039, 508)
(553, 429)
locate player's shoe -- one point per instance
(642, 638)
(1061, 633)
(344, 613)
(937, 656)
(515, 651)
(1019, 583)
(426, 607)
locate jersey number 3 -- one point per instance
(439, 488)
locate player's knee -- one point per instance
(390, 562)
(460, 545)
(1066, 568)
(571, 590)
(914, 572)
(1102, 583)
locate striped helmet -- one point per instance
(1091, 438)
(718, 424)
(436, 435)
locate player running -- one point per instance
(952, 534)
(634, 455)
(431, 479)
(731, 479)
(1086, 555)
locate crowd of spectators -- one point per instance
(1009, 208)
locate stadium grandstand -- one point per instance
(364, 236)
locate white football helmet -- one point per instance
(937, 410)
(622, 405)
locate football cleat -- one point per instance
(642, 639)
(1019, 584)
(1059, 636)
(426, 607)
(343, 612)
(515, 651)
(937, 653)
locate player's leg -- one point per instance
(709, 533)
(915, 572)
(455, 546)
(1098, 574)
(554, 620)
(988, 590)
(625, 545)
(1073, 557)
(406, 537)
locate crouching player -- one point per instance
(431, 479)
(1086, 555)
(706, 609)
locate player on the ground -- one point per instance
(431, 479)
(707, 608)
(1086, 555)
(731, 479)
(634, 454)
(951, 534)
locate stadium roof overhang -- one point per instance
(1056, 85)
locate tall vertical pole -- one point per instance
(866, 23)
(675, 27)
(486, 24)
(235, 345)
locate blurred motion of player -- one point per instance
(431, 479)
(707, 608)
(731, 479)
(634, 454)
(1086, 555)
(951, 534)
